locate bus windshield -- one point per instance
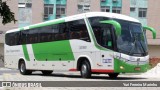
(132, 41)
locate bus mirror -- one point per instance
(115, 24)
(152, 30)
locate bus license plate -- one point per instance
(137, 68)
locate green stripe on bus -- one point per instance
(25, 51)
(53, 51)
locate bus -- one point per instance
(92, 43)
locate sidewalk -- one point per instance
(1, 63)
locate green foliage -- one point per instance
(5, 13)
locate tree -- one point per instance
(5, 13)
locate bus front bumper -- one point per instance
(124, 67)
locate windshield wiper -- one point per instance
(142, 47)
(134, 43)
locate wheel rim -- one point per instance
(84, 69)
(22, 67)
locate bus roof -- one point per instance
(102, 14)
(79, 16)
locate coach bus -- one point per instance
(92, 43)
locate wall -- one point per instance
(153, 17)
(1, 54)
(71, 7)
(154, 51)
(110, 3)
(139, 4)
(37, 11)
(95, 5)
(126, 7)
(1, 49)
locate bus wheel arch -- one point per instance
(20, 60)
(84, 66)
(22, 67)
(80, 61)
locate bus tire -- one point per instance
(85, 70)
(113, 75)
(46, 72)
(22, 68)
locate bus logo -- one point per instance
(138, 60)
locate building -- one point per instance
(29, 12)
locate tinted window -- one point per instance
(64, 31)
(78, 30)
(24, 37)
(46, 34)
(32, 36)
(38, 35)
(12, 38)
(102, 32)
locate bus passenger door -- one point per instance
(107, 41)
(107, 61)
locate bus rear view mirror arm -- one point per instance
(116, 25)
(150, 29)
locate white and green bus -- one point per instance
(92, 43)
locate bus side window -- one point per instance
(31, 36)
(8, 39)
(24, 37)
(55, 33)
(17, 38)
(46, 34)
(12, 38)
(97, 33)
(107, 38)
(63, 31)
(78, 30)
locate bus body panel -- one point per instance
(63, 55)
(126, 63)
(12, 55)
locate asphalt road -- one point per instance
(1, 63)
(68, 78)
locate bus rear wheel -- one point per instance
(85, 70)
(113, 75)
(47, 72)
(22, 68)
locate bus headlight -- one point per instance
(121, 67)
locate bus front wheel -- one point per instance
(113, 75)
(85, 70)
(22, 69)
